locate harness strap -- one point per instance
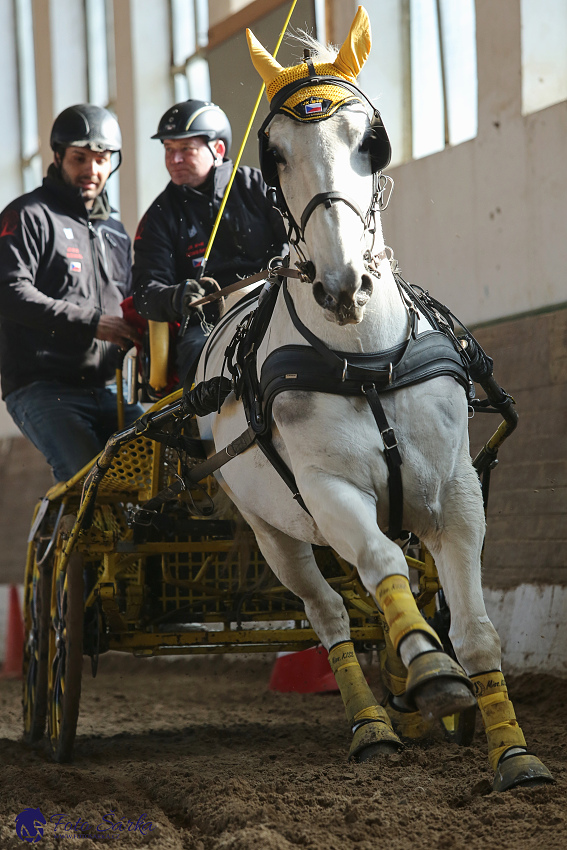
(393, 461)
(265, 274)
(328, 199)
(391, 451)
(313, 340)
(145, 513)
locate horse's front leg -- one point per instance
(346, 516)
(295, 566)
(456, 548)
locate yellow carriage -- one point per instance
(114, 564)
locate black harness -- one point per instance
(317, 368)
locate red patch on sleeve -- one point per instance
(9, 223)
(140, 228)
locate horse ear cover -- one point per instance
(348, 64)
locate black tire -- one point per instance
(37, 605)
(65, 658)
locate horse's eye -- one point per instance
(278, 156)
(366, 142)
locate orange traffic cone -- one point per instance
(305, 672)
(14, 647)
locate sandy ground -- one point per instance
(216, 761)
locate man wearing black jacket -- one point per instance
(64, 271)
(173, 234)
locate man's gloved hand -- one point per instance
(190, 291)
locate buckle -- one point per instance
(390, 441)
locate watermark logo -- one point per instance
(29, 825)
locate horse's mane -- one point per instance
(323, 53)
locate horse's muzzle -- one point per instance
(348, 307)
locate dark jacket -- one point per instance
(61, 268)
(173, 235)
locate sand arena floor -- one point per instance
(216, 761)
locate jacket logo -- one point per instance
(73, 253)
(192, 231)
(74, 266)
(9, 223)
(68, 231)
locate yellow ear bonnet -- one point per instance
(312, 103)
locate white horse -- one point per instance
(332, 443)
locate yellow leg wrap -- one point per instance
(357, 696)
(500, 724)
(369, 721)
(402, 615)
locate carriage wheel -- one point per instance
(459, 728)
(65, 658)
(37, 595)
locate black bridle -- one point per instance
(379, 149)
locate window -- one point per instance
(101, 72)
(544, 53)
(422, 74)
(189, 35)
(29, 141)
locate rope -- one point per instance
(240, 152)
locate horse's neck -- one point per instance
(385, 323)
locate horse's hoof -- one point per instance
(373, 739)
(374, 751)
(438, 686)
(521, 769)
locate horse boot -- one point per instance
(507, 753)
(436, 685)
(371, 727)
(407, 723)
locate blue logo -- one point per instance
(29, 825)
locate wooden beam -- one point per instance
(236, 23)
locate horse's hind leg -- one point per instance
(294, 564)
(457, 554)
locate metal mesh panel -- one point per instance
(131, 470)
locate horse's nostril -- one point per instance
(365, 291)
(323, 298)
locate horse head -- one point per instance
(323, 152)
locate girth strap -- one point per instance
(393, 461)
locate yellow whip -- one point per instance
(239, 155)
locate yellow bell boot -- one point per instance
(507, 754)
(436, 685)
(371, 727)
(409, 724)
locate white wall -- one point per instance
(482, 225)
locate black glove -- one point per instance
(207, 396)
(189, 291)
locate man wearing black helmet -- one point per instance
(173, 234)
(64, 271)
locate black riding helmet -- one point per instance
(87, 126)
(195, 118)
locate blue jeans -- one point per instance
(69, 425)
